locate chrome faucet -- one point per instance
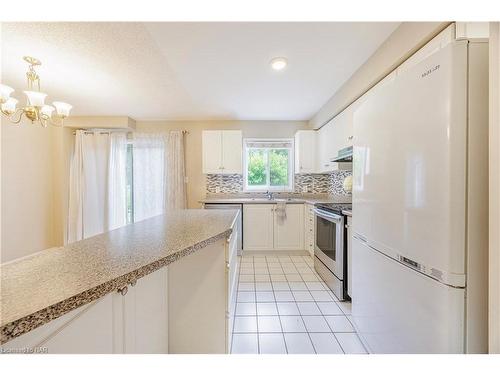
(269, 195)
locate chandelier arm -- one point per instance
(11, 116)
(57, 124)
(49, 120)
(43, 121)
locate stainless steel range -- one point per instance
(330, 249)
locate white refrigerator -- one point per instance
(419, 265)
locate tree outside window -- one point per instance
(269, 165)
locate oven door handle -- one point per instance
(327, 216)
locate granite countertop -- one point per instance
(50, 283)
(294, 200)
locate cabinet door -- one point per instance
(145, 316)
(325, 148)
(289, 231)
(343, 129)
(88, 332)
(258, 226)
(212, 151)
(232, 151)
(305, 151)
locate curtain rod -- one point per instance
(108, 131)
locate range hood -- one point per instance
(343, 156)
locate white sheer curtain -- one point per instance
(149, 175)
(175, 175)
(97, 184)
(117, 181)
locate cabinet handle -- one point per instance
(123, 290)
(326, 165)
(350, 137)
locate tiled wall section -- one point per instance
(304, 183)
(224, 183)
(336, 182)
(312, 183)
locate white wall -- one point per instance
(494, 190)
(251, 129)
(35, 178)
(27, 189)
(400, 45)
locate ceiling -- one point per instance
(190, 71)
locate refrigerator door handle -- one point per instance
(360, 237)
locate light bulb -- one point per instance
(278, 63)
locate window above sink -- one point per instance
(268, 164)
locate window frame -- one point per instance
(291, 165)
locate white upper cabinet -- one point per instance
(212, 151)
(222, 151)
(344, 131)
(326, 149)
(305, 151)
(334, 136)
(232, 146)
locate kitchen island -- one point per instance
(42, 290)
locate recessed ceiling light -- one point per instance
(278, 63)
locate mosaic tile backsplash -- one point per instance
(224, 183)
(331, 183)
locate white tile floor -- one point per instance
(284, 307)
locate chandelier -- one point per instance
(35, 109)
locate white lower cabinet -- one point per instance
(309, 228)
(263, 229)
(258, 222)
(187, 307)
(135, 322)
(145, 315)
(202, 299)
(86, 330)
(289, 230)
